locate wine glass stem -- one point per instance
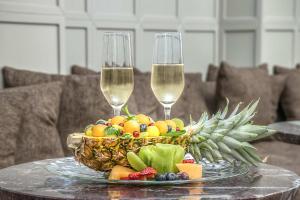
(167, 109)
(117, 110)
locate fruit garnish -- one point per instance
(188, 161)
(162, 157)
(89, 130)
(183, 176)
(135, 161)
(153, 131)
(135, 176)
(149, 172)
(108, 124)
(179, 123)
(131, 126)
(162, 127)
(99, 130)
(136, 134)
(143, 119)
(126, 136)
(194, 171)
(143, 127)
(175, 133)
(144, 134)
(112, 130)
(117, 120)
(119, 172)
(151, 124)
(101, 121)
(129, 115)
(172, 176)
(171, 123)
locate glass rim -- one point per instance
(168, 34)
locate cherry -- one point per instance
(136, 134)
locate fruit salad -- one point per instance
(135, 126)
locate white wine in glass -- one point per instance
(117, 71)
(167, 77)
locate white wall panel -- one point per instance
(278, 48)
(29, 46)
(240, 47)
(158, 7)
(75, 5)
(198, 8)
(33, 2)
(76, 46)
(198, 51)
(238, 8)
(278, 8)
(113, 7)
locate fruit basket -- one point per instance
(137, 148)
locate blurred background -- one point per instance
(52, 35)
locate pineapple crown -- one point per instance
(219, 138)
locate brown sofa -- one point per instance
(79, 102)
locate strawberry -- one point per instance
(149, 172)
(135, 176)
(188, 161)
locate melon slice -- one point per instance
(193, 170)
(118, 172)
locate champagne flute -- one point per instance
(117, 71)
(167, 77)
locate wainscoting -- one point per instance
(52, 35)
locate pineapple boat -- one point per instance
(105, 144)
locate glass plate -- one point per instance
(68, 167)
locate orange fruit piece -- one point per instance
(143, 119)
(131, 126)
(171, 123)
(98, 130)
(119, 172)
(162, 127)
(117, 120)
(193, 170)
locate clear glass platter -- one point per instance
(68, 167)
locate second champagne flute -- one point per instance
(167, 77)
(117, 71)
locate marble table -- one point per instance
(34, 181)
(288, 131)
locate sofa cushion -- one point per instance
(80, 70)
(213, 71)
(290, 100)
(277, 69)
(82, 102)
(28, 124)
(246, 85)
(281, 154)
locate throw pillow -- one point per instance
(290, 100)
(284, 70)
(246, 85)
(213, 71)
(28, 124)
(82, 102)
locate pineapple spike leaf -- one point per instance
(235, 110)
(225, 110)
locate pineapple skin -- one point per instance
(103, 153)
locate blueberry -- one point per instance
(169, 128)
(171, 177)
(143, 127)
(160, 177)
(101, 121)
(183, 176)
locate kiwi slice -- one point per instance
(135, 161)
